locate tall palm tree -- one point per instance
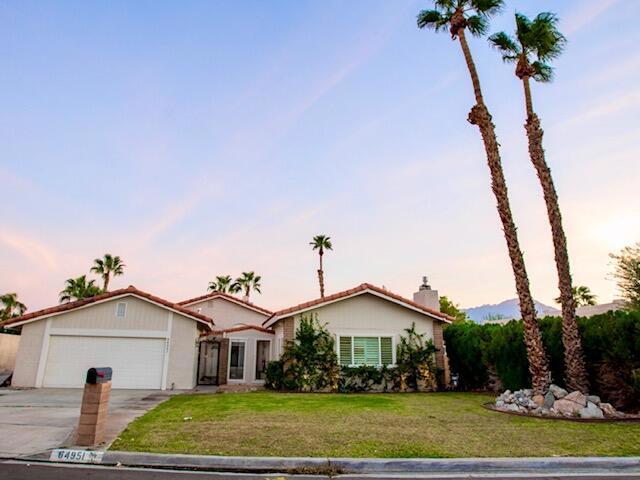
(106, 267)
(11, 306)
(79, 288)
(321, 243)
(224, 284)
(537, 42)
(246, 282)
(458, 16)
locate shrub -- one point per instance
(415, 362)
(611, 344)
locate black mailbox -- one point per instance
(99, 375)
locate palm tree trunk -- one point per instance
(576, 372)
(106, 282)
(481, 117)
(321, 276)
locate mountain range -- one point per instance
(507, 309)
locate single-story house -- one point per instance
(213, 339)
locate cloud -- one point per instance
(31, 249)
(588, 14)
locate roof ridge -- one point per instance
(227, 296)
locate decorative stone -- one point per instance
(538, 400)
(527, 392)
(499, 403)
(591, 411)
(577, 397)
(567, 407)
(609, 410)
(593, 399)
(512, 407)
(558, 392)
(549, 398)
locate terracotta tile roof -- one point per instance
(228, 297)
(64, 307)
(360, 288)
(240, 328)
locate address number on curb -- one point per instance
(76, 456)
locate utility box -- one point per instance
(95, 407)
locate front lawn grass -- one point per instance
(363, 425)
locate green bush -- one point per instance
(611, 344)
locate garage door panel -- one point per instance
(136, 362)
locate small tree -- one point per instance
(452, 309)
(582, 296)
(309, 362)
(627, 274)
(415, 362)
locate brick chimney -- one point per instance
(427, 296)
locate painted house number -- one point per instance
(76, 456)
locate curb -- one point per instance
(336, 466)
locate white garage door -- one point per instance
(136, 362)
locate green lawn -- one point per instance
(363, 425)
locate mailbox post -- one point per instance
(95, 407)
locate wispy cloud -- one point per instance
(32, 249)
(586, 14)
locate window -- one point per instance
(365, 350)
(121, 310)
(236, 363)
(262, 358)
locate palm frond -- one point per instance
(477, 25)
(546, 40)
(433, 19)
(487, 8)
(543, 72)
(505, 45)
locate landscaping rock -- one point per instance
(558, 392)
(591, 411)
(577, 397)
(499, 403)
(567, 407)
(512, 407)
(549, 398)
(538, 400)
(593, 399)
(609, 410)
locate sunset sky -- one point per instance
(201, 138)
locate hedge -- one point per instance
(494, 357)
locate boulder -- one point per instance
(499, 403)
(549, 398)
(593, 399)
(538, 400)
(591, 411)
(558, 392)
(512, 407)
(527, 392)
(577, 397)
(567, 407)
(609, 410)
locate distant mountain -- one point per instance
(507, 309)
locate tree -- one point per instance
(11, 306)
(627, 274)
(106, 267)
(582, 296)
(473, 15)
(321, 243)
(452, 309)
(541, 39)
(224, 284)
(79, 288)
(246, 282)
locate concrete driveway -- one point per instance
(32, 421)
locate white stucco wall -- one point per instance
(8, 351)
(226, 313)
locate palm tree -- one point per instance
(11, 306)
(107, 266)
(246, 282)
(321, 243)
(582, 296)
(223, 284)
(458, 16)
(79, 288)
(540, 39)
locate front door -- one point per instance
(262, 358)
(208, 357)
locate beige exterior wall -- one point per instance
(227, 314)
(100, 319)
(183, 354)
(368, 315)
(250, 338)
(26, 369)
(8, 351)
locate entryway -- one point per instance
(208, 359)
